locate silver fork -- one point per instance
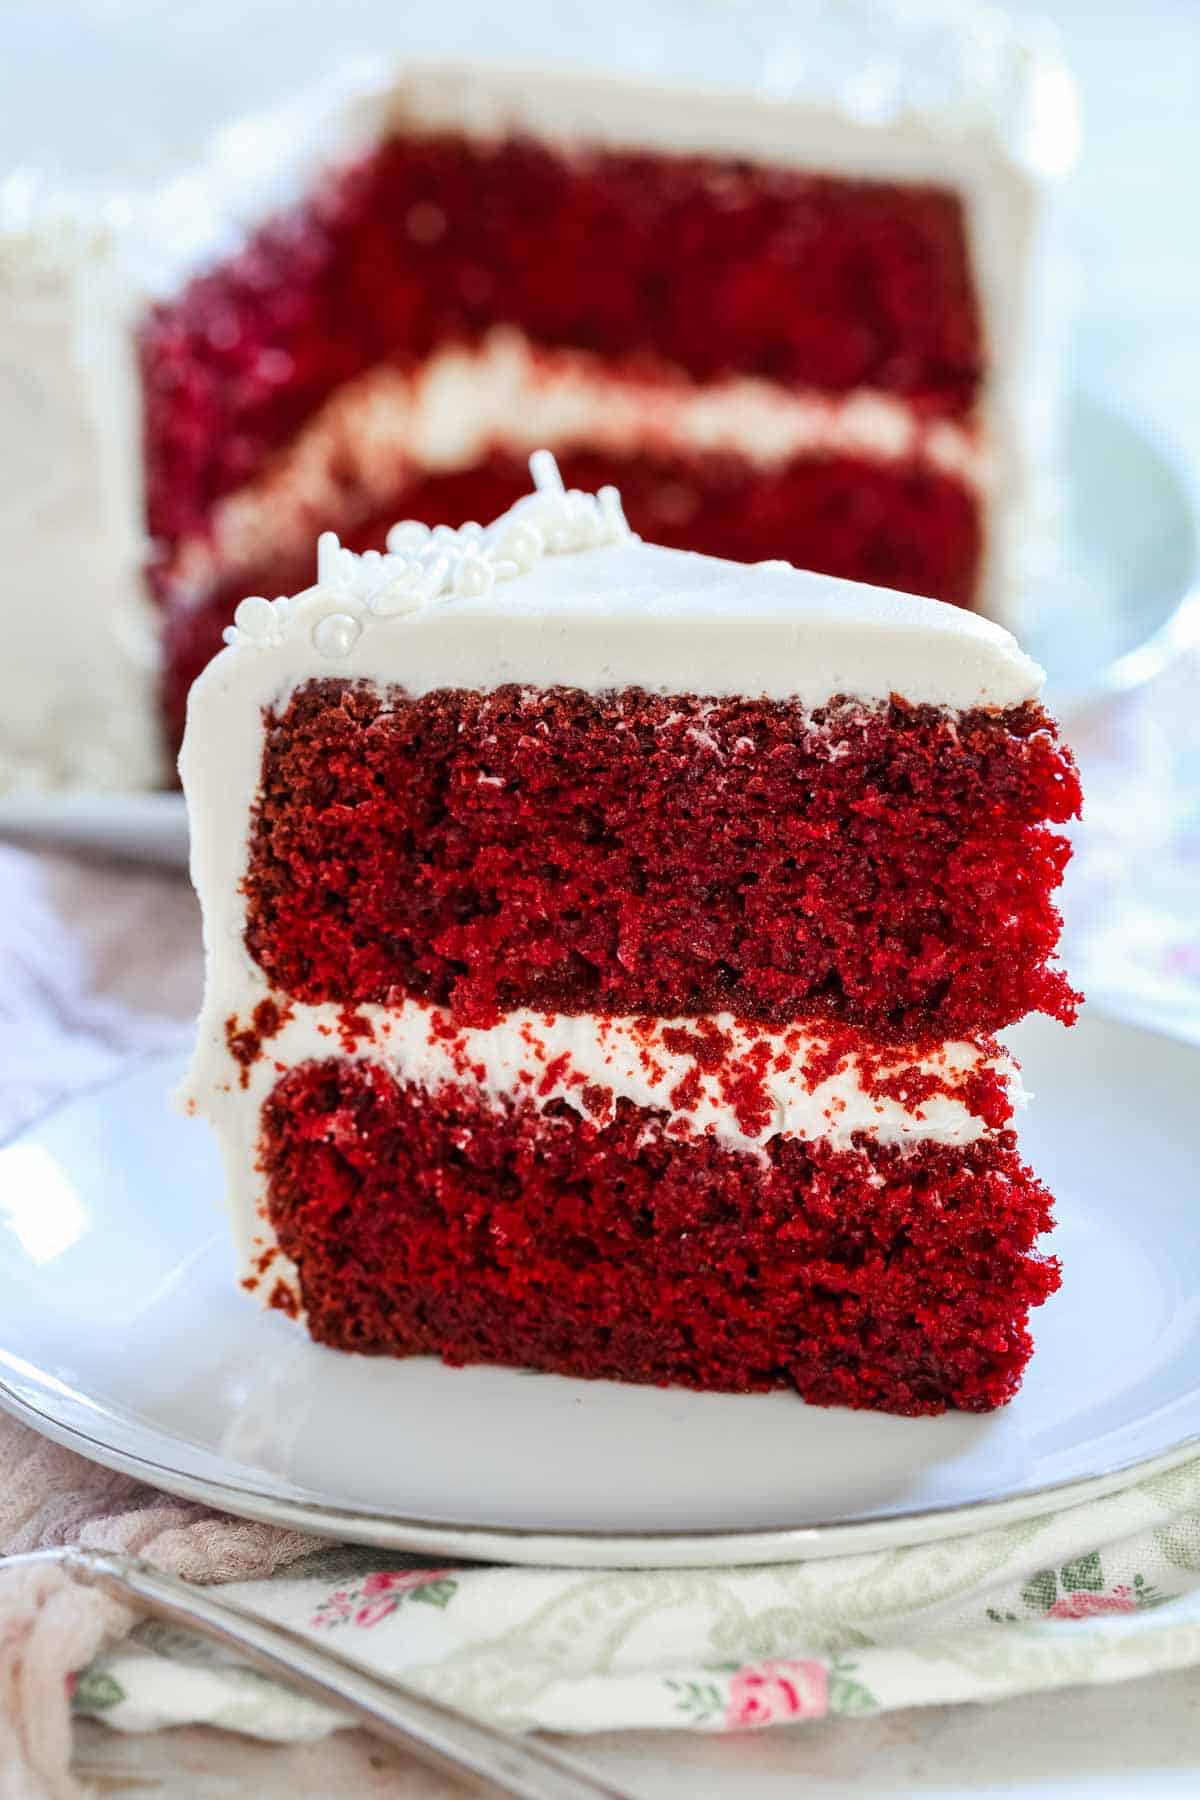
(494, 1760)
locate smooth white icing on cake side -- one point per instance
(78, 674)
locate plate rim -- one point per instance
(598, 1549)
(582, 1547)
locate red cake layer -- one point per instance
(440, 1224)
(895, 525)
(636, 854)
(711, 266)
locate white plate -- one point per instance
(124, 1336)
(1113, 609)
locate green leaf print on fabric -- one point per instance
(1085, 1573)
(1082, 1594)
(434, 1593)
(1041, 1590)
(698, 1701)
(96, 1692)
(847, 1695)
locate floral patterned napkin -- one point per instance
(1091, 1593)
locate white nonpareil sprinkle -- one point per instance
(422, 566)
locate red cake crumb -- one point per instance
(438, 1223)
(283, 1299)
(245, 1042)
(895, 525)
(712, 266)
(633, 854)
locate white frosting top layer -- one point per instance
(558, 592)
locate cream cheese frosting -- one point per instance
(591, 1061)
(507, 394)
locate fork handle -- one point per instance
(495, 1760)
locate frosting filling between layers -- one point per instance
(462, 402)
(712, 1076)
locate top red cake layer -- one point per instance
(715, 267)
(633, 854)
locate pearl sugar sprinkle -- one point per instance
(424, 565)
(336, 634)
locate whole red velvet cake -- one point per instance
(781, 275)
(606, 947)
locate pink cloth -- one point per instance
(48, 1627)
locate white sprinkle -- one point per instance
(544, 469)
(522, 544)
(409, 534)
(402, 595)
(473, 577)
(435, 576)
(255, 617)
(613, 512)
(335, 635)
(328, 552)
(424, 564)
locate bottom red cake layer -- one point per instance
(897, 525)
(440, 1223)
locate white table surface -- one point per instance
(147, 72)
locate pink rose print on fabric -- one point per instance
(336, 1610)
(381, 1594)
(767, 1692)
(1082, 1605)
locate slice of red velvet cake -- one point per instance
(606, 946)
